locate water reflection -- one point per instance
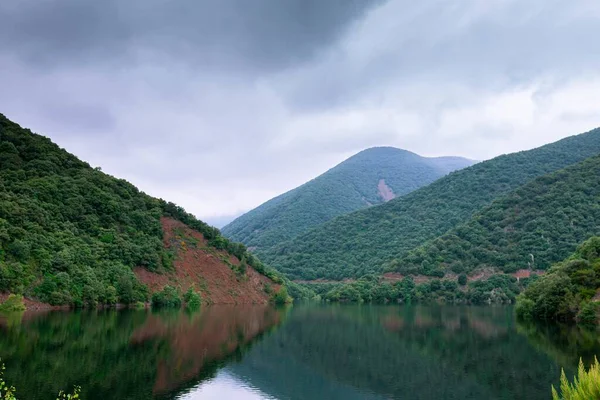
(342, 352)
(127, 354)
(315, 352)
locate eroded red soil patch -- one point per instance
(526, 273)
(385, 192)
(207, 270)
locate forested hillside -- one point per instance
(569, 291)
(533, 227)
(365, 241)
(70, 234)
(370, 177)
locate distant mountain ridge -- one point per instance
(533, 227)
(372, 176)
(366, 241)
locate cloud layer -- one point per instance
(220, 106)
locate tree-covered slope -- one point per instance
(70, 234)
(372, 176)
(533, 227)
(569, 291)
(365, 241)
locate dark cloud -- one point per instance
(221, 105)
(491, 44)
(257, 35)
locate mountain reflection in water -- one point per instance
(306, 352)
(127, 354)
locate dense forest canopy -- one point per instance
(366, 241)
(569, 291)
(368, 178)
(533, 227)
(70, 234)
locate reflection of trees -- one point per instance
(565, 344)
(405, 352)
(202, 340)
(127, 354)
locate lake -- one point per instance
(299, 352)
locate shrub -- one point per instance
(140, 306)
(168, 297)
(588, 315)
(524, 308)
(192, 299)
(586, 385)
(462, 279)
(14, 303)
(281, 297)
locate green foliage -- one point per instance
(281, 296)
(168, 297)
(586, 385)
(192, 299)
(462, 279)
(14, 303)
(367, 241)
(70, 234)
(349, 186)
(533, 227)
(588, 314)
(567, 291)
(69, 396)
(8, 392)
(497, 289)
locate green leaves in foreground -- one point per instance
(8, 392)
(586, 385)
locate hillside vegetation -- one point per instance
(367, 240)
(370, 177)
(70, 234)
(533, 227)
(568, 291)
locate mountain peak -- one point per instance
(372, 176)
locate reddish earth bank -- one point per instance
(211, 272)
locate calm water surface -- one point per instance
(303, 352)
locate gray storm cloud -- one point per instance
(221, 105)
(236, 35)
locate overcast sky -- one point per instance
(221, 105)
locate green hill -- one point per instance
(569, 291)
(370, 177)
(533, 227)
(70, 234)
(365, 241)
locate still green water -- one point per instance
(302, 352)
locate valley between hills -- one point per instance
(384, 226)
